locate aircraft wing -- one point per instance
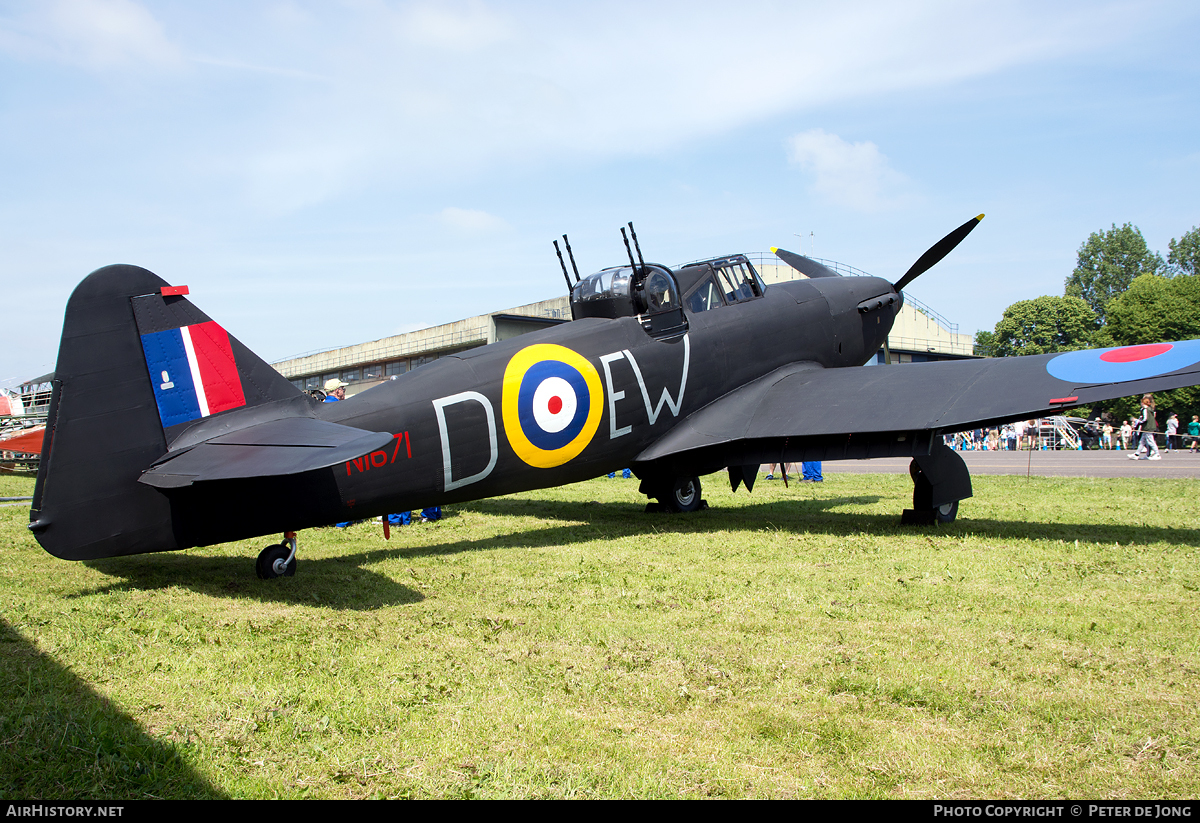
(277, 447)
(805, 401)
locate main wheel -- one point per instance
(946, 512)
(684, 495)
(272, 562)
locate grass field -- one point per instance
(790, 643)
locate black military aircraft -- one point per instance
(165, 432)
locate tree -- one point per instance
(1108, 262)
(1153, 310)
(1184, 254)
(985, 343)
(1043, 325)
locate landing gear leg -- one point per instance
(278, 560)
(940, 480)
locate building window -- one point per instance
(396, 367)
(372, 372)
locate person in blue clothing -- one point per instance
(335, 390)
(812, 471)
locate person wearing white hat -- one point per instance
(335, 390)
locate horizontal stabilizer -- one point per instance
(278, 447)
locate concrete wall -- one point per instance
(917, 330)
(461, 334)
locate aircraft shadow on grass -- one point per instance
(342, 582)
(62, 739)
(347, 581)
(632, 516)
(817, 515)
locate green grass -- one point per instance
(790, 643)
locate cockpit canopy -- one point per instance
(721, 281)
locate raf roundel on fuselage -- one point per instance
(551, 404)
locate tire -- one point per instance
(684, 495)
(947, 512)
(270, 562)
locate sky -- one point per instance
(325, 173)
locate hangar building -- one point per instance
(920, 334)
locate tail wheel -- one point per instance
(275, 561)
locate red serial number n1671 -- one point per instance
(381, 458)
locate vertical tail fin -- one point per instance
(138, 365)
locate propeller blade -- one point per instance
(805, 265)
(936, 252)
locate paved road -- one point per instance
(1178, 464)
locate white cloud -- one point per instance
(282, 180)
(409, 93)
(473, 221)
(856, 175)
(94, 33)
(460, 27)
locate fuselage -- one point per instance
(467, 426)
(136, 468)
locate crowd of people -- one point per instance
(1141, 434)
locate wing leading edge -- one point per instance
(805, 401)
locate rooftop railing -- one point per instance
(410, 343)
(760, 259)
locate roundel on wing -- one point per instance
(1124, 362)
(551, 404)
